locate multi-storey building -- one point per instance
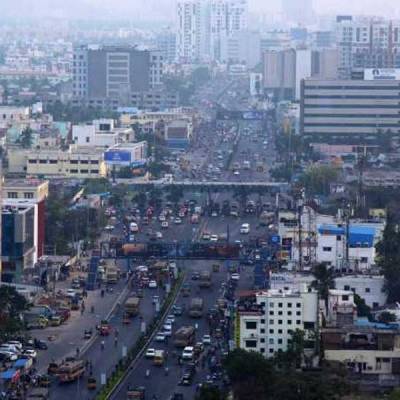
(268, 324)
(166, 45)
(367, 43)
(108, 76)
(349, 111)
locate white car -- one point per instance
(9, 348)
(167, 330)
(167, 326)
(15, 343)
(9, 354)
(187, 353)
(170, 319)
(177, 221)
(245, 229)
(161, 218)
(236, 173)
(214, 238)
(159, 235)
(160, 337)
(71, 293)
(206, 339)
(30, 352)
(153, 285)
(206, 236)
(164, 224)
(150, 353)
(235, 277)
(109, 228)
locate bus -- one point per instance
(184, 336)
(159, 357)
(132, 306)
(205, 279)
(112, 274)
(196, 308)
(70, 371)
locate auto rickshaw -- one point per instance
(126, 319)
(52, 368)
(104, 328)
(91, 383)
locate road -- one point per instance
(168, 385)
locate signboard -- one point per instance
(382, 74)
(275, 239)
(117, 157)
(251, 115)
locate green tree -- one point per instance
(323, 281)
(395, 394)
(317, 179)
(175, 193)
(210, 393)
(26, 138)
(387, 317)
(12, 305)
(362, 309)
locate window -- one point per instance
(87, 139)
(84, 171)
(375, 304)
(346, 287)
(280, 331)
(271, 321)
(298, 305)
(84, 162)
(271, 350)
(298, 322)
(271, 341)
(364, 260)
(271, 313)
(289, 305)
(326, 248)
(345, 297)
(94, 171)
(289, 313)
(73, 161)
(94, 162)
(279, 322)
(367, 290)
(12, 195)
(271, 305)
(251, 325)
(280, 341)
(53, 161)
(262, 340)
(32, 161)
(289, 321)
(262, 330)
(298, 312)
(309, 325)
(279, 312)
(280, 305)
(252, 344)
(28, 195)
(42, 161)
(263, 303)
(271, 331)
(262, 350)
(263, 321)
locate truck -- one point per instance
(71, 370)
(132, 306)
(184, 336)
(112, 275)
(136, 393)
(196, 308)
(205, 279)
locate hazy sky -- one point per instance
(163, 9)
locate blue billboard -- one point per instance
(117, 157)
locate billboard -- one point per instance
(241, 115)
(117, 157)
(382, 74)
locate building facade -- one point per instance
(348, 111)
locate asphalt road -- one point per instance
(158, 383)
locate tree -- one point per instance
(175, 193)
(12, 305)
(324, 280)
(387, 317)
(362, 309)
(26, 138)
(210, 393)
(317, 179)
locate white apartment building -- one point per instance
(11, 115)
(368, 287)
(367, 43)
(267, 327)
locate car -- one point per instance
(167, 330)
(164, 224)
(235, 277)
(236, 173)
(109, 228)
(177, 221)
(214, 214)
(245, 229)
(40, 344)
(159, 235)
(75, 285)
(153, 284)
(9, 347)
(155, 299)
(8, 355)
(195, 276)
(206, 339)
(206, 236)
(214, 238)
(167, 326)
(131, 238)
(188, 353)
(160, 337)
(30, 352)
(15, 343)
(181, 214)
(161, 218)
(150, 353)
(70, 293)
(170, 318)
(177, 310)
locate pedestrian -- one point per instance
(77, 351)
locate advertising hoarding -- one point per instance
(382, 74)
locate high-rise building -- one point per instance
(367, 43)
(203, 25)
(166, 45)
(298, 11)
(112, 74)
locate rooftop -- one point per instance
(23, 183)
